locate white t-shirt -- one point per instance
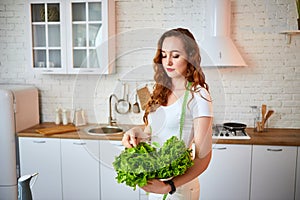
(165, 121)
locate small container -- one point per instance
(79, 118)
(58, 116)
(64, 116)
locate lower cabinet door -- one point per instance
(228, 174)
(110, 188)
(273, 172)
(42, 155)
(80, 169)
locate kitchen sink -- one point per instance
(105, 130)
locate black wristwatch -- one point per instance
(171, 183)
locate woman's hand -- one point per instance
(134, 136)
(157, 186)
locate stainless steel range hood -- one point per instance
(217, 48)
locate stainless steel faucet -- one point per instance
(111, 121)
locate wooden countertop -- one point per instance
(280, 137)
(79, 134)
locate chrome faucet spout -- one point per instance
(111, 121)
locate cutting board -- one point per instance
(56, 129)
(144, 96)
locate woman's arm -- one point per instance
(203, 144)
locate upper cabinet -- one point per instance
(72, 37)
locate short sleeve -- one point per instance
(201, 105)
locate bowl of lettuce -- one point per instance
(135, 166)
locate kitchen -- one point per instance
(271, 75)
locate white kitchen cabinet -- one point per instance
(110, 188)
(273, 172)
(42, 155)
(72, 37)
(297, 186)
(80, 169)
(228, 174)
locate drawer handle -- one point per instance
(39, 141)
(274, 150)
(48, 70)
(118, 145)
(86, 70)
(79, 143)
(220, 148)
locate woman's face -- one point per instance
(174, 57)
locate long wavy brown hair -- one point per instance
(163, 83)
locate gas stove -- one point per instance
(219, 132)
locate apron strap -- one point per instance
(183, 109)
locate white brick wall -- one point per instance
(272, 75)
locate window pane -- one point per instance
(79, 59)
(95, 12)
(39, 58)
(39, 36)
(37, 12)
(94, 34)
(53, 12)
(79, 35)
(54, 35)
(93, 59)
(54, 59)
(78, 12)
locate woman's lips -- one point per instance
(170, 69)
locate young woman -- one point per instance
(180, 105)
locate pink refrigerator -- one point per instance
(19, 109)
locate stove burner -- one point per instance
(222, 133)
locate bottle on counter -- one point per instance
(58, 119)
(64, 116)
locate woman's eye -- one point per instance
(176, 56)
(163, 55)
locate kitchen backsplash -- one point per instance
(272, 75)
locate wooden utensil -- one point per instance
(270, 112)
(263, 114)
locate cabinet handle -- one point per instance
(39, 141)
(79, 143)
(47, 70)
(81, 70)
(220, 148)
(274, 150)
(119, 146)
